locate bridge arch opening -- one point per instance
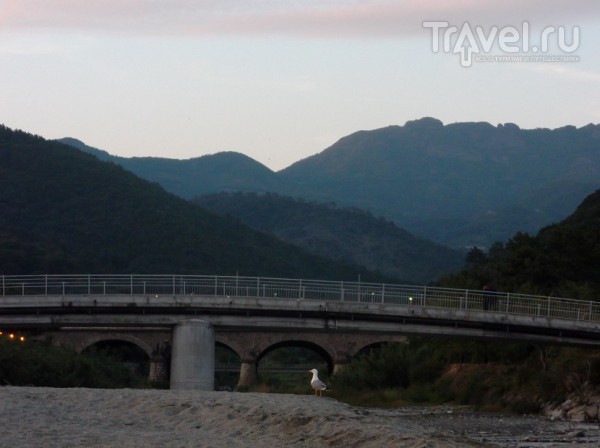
(128, 353)
(227, 367)
(284, 366)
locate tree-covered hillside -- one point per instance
(345, 234)
(62, 210)
(462, 184)
(223, 171)
(561, 260)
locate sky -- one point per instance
(281, 80)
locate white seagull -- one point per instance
(318, 385)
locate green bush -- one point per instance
(42, 364)
(383, 368)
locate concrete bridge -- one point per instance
(176, 320)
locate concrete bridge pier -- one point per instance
(248, 374)
(193, 356)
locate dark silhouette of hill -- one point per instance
(345, 234)
(444, 182)
(461, 184)
(224, 171)
(562, 259)
(62, 210)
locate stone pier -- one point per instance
(248, 375)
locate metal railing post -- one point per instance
(525, 304)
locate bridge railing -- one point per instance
(300, 289)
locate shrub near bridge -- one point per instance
(42, 364)
(496, 376)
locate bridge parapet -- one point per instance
(15, 289)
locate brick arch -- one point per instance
(227, 346)
(299, 342)
(252, 346)
(92, 339)
(374, 342)
(231, 343)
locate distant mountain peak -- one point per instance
(424, 123)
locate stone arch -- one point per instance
(300, 342)
(229, 343)
(227, 366)
(95, 338)
(375, 343)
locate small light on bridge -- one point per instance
(410, 299)
(11, 336)
(22, 339)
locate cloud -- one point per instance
(304, 18)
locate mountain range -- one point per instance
(461, 184)
(65, 211)
(340, 233)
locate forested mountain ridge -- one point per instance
(561, 260)
(64, 211)
(223, 171)
(460, 184)
(345, 234)
(445, 181)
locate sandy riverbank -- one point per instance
(34, 417)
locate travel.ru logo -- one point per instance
(517, 44)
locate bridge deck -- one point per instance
(232, 302)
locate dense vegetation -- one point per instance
(490, 375)
(344, 234)
(42, 364)
(561, 260)
(64, 211)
